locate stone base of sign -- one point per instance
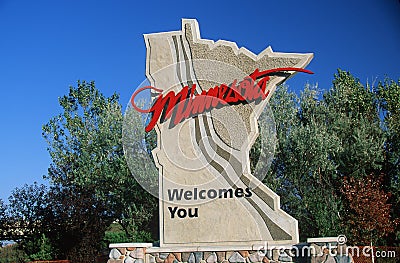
(316, 250)
(146, 253)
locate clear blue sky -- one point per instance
(46, 46)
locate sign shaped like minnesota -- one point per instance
(209, 104)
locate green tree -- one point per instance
(354, 118)
(75, 222)
(389, 101)
(138, 145)
(45, 249)
(90, 180)
(3, 219)
(26, 217)
(322, 140)
(302, 164)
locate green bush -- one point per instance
(116, 237)
(11, 253)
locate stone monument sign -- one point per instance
(206, 101)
